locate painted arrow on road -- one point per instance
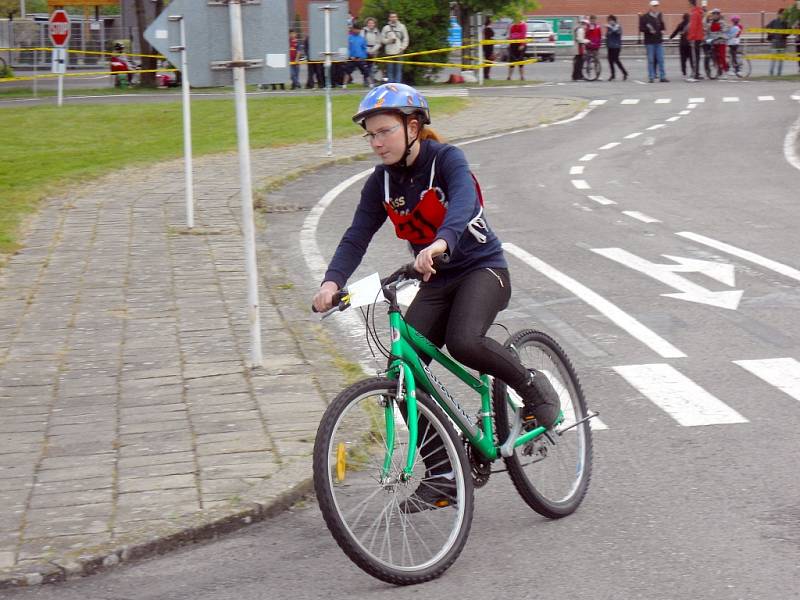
(668, 274)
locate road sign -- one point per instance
(208, 40)
(59, 28)
(337, 12)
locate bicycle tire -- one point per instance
(591, 69)
(746, 69)
(533, 467)
(351, 438)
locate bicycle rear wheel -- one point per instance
(383, 524)
(552, 472)
(711, 66)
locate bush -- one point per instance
(5, 71)
(426, 21)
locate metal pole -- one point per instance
(62, 55)
(328, 101)
(187, 124)
(35, 66)
(248, 227)
(481, 58)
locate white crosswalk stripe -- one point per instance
(677, 395)
(783, 373)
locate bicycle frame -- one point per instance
(406, 367)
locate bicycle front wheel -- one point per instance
(712, 70)
(552, 472)
(402, 532)
(591, 69)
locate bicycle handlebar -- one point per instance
(405, 272)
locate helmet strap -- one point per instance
(402, 162)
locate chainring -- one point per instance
(481, 468)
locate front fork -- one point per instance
(406, 390)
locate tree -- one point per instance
(9, 8)
(427, 22)
(143, 19)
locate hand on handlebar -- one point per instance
(424, 261)
(323, 299)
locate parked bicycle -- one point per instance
(385, 440)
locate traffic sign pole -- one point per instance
(187, 123)
(59, 29)
(248, 225)
(481, 57)
(328, 101)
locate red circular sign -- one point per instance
(59, 28)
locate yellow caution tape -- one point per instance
(70, 51)
(781, 56)
(83, 74)
(783, 31)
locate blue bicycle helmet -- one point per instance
(393, 97)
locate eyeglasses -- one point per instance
(381, 134)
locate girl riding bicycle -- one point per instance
(426, 189)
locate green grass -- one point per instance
(46, 148)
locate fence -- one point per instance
(90, 36)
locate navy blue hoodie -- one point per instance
(452, 175)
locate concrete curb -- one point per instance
(264, 500)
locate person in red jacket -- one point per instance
(516, 52)
(594, 34)
(695, 35)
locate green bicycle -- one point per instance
(385, 443)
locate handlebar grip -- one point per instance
(336, 301)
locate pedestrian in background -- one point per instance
(395, 40)
(294, 55)
(516, 52)
(684, 46)
(778, 43)
(580, 49)
(734, 36)
(594, 34)
(372, 35)
(651, 24)
(695, 35)
(316, 74)
(614, 46)
(488, 49)
(357, 49)
(717, 35)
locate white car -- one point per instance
(543, 46)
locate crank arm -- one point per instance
(591, 415)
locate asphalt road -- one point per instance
(695, 487)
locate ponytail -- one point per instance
(426, 133)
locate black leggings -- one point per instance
(696, 45)
(613, 59)
(686, 58)
(459, 314)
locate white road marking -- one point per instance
(668, 275)
(587, 157)
(597, 102)
(578, 170)
(609, 146)
(630, 136)
(690, 106)
(601, 200)
(677, 395)
(685, 112)
(616, 315)
(581, 184)
(783, 373)
(790, 145)
(730, 99)
(639, 216)
(673, 119)
(696, 100)
(630, 101)
(795, 97)
(656, 126)
(745, 254)
(765, 98)
(569, 409)
(663, 100)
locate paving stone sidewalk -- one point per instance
(130, 421)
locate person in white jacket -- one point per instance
(580, 49)
(395, 41)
